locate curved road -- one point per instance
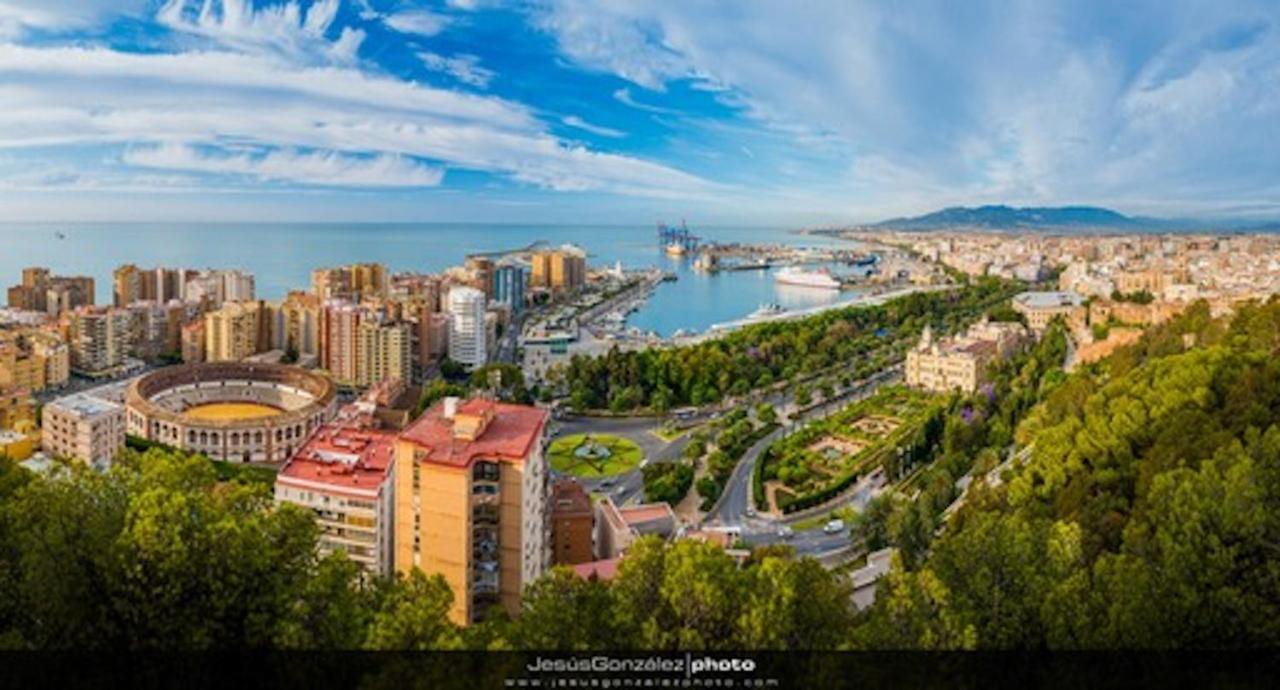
(734, 504)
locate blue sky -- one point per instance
(628, 111)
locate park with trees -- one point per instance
(866, 338)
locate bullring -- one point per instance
(233, 411)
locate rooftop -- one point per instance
(569, 498)
(602, 570)
(343, 457)
(1045, 300)
(84, 405)
(489, 430)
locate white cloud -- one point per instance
(287, 28)
(96, 96)
(326, 168)
(610, 37)
(579, 123)
(418, 22)
(464, 68)
(18, 16)
(1025, 102)
(624, 97)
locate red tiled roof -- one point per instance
(602, 570)
(634, 515)
(342, 457)
(569, 498)
(510, 435)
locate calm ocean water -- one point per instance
(281, 256)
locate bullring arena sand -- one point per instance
(228, 410)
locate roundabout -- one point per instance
(594, 455)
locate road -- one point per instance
(628, 486)
(733, 507)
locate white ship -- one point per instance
(793, 275)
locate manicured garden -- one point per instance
(816, 463)
(593, 455)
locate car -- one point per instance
(785, 532)
(606, 484)
(751, 512)
(833, 526)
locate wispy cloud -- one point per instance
(1057, 101)
(286, 28)
(464, 68)
(579, 123)
(94, 96)
(418, 22)
(624, 97)
(325, 168)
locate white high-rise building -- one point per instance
(467, 341)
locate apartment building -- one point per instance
(510, 282)
(471, 489)
(99, 339)
(353, 282)
(384, 351)
(559, 269)
(33, 359)
(131, 284)
(84, 427)
(468, 333)
(215, 287)
(572, 524)
(54, 295)
(343, 474)
(234, 331)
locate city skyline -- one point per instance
(572, 111)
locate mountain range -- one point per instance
(1076, 218)
(1009, 217)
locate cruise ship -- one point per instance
(793, 275)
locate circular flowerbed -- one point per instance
(593, 455)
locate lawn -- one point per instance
(593, 455)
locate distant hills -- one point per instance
(1033, 217)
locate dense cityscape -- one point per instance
(487, 428)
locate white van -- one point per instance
(833, 527)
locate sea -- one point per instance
(282, 255)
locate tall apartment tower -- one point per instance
(232, 332)
(385, 351)
(339, 340)
(481, 270)
(353, 282)
(510, 281)
(99, 339)
(471, 488)
(467, 335)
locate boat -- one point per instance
(794, 275)
(765, 311)
(675, 249)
